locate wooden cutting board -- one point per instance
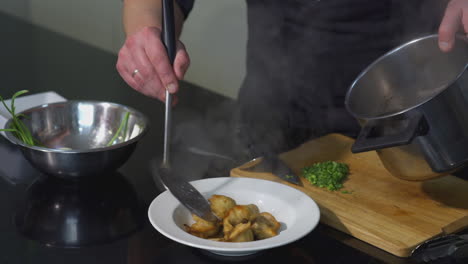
(392, 214)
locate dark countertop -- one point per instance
(113, 209)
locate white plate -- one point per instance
(297, 213)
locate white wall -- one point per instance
(215, 33)
(17, 8)
(97, 22)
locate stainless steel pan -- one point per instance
(412, 104)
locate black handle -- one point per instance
(368, 139)
(445, 249)
(168, 29)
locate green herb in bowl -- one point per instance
(21, 131)
(17, 127)
(328, 174)
(122, 129)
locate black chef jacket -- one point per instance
(303, 55)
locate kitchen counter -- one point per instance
(115, 226)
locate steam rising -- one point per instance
(302, 57)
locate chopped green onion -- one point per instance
(328, 174)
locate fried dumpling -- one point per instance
(253, 210)
(237, 215)
(202, 228)
(237, 223)
(265, 226)
(220, 205)
(241, 214)
(240, 233)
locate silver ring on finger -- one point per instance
(134, 72)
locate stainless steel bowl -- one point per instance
(74, 137)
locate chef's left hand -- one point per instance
(455, 18)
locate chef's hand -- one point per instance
(455, 18)
(143, 63)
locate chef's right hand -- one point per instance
(143, 63)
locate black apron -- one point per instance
(303, 55)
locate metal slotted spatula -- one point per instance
(182, 190)
(273, 164)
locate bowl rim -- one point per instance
(395, 51)
(15, 140)
(171, 204)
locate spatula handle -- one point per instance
(168, 38)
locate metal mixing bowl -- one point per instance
(74, 137)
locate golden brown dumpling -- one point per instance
(265, 226)
(253, 210)
(240, 233)
(238, 223)
(237, 215)
(241, 214)
(220, 205)
(202, 228)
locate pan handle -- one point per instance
(368, 139)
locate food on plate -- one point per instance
(239, 214)
(202, 228)
(220, 205)
(328, 174)
(237, 223)
(265, 226)
(240, 233)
